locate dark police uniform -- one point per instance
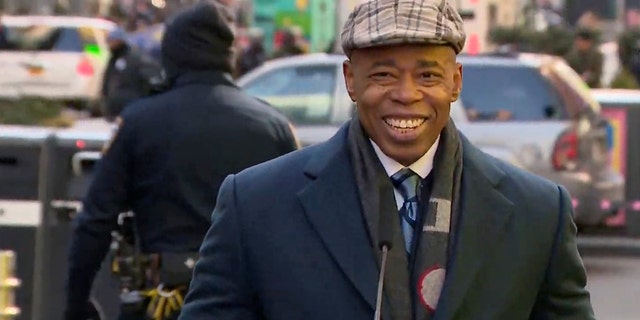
(170, 154)
(130, 75)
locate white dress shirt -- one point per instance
(422, 166)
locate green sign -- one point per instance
(288, 19)
(315, 18)
(323, 24)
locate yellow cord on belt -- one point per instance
(163, 304)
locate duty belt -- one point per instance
(167, 274)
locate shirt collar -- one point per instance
(422, 166)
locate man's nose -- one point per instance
(407, 91)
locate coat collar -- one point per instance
(203, 77)
(331, 203)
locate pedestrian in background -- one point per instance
(4, 37)
(291, 44)
(254, 55)
(629, 52)
(585, 58)
(130, 75)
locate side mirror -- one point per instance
(551, 112)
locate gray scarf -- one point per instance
(412, 289)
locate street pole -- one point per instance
(620, 14)
(42, 287)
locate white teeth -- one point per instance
(404, 123)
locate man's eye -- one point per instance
(381, 75)
(429, 75)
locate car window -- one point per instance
(49, 38)
(304, 93)
(515, 93)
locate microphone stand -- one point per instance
(383, 265)
(385, 221)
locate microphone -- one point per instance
(385, 220)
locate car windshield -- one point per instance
(304, 94)
(515, 93)
(48, 38)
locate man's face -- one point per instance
(403, 94)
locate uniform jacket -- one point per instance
(166, 163)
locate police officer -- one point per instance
(170, 155)
(130, 75)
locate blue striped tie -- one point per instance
(406, 182)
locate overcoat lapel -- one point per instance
(331, 204)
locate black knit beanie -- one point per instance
(198, 38)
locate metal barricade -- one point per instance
(43, 176)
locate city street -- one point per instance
(615, 287)
(550, 87)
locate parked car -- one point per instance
(530, 110)
(54, 57)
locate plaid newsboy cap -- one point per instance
(376, 23)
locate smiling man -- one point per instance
(471, 237)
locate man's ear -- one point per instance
(457, 83)
(347, 71)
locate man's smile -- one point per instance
(398, 123)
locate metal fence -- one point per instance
(40, 189)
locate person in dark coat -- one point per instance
(629, 49)
(253, 56)
(130, 75)
(171, 152)
(585, 58)
(397, 191)
(4, 40)
(290, 45)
